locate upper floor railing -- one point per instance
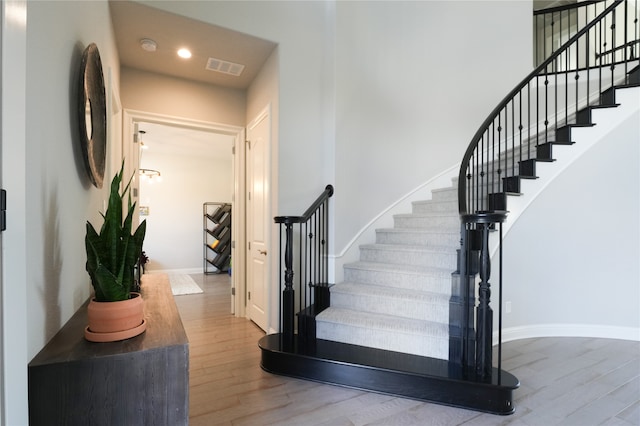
(572, 77)
(554, 26)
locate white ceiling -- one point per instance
(133, 21)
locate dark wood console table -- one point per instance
(139, 381)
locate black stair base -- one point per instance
(394, 373)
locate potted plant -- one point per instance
(111, 258)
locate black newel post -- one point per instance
(484, 314)
(288, 292)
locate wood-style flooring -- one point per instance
(564, 381)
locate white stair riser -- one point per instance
(427, 346)
(438, 283)
(436, 310)
(408, 257)
(418, 238)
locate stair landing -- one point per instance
(387, 372)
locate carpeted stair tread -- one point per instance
(380, 331)
(401, 269)
(420, 255)
(404, 303)
(436, 220)
(410, 277)
(373, 321)
(438, 237)
(392, 292)
(437, 231)
(444, 194)
(432, 206)
(408, 248)
(428, 215)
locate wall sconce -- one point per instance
(150, 174)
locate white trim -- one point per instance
(568, 330)
(177, 121)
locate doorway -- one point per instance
(183, 180)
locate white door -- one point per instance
(258, 220)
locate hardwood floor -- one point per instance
(564, 381)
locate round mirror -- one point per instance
(92, 115)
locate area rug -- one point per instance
(183, 284)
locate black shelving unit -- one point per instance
(217, 237)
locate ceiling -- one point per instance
(133, 21)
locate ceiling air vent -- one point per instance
(224, 67)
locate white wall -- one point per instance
(60, 198)
(174, 238)
(46, 262)
(414, 82)
(572, 260)
(379, 87)
(299, 29)
(174, 97)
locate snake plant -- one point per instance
(113, 254)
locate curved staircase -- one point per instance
(409, 319)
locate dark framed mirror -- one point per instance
(92, 115)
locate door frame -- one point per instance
(238, 214)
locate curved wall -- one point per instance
(572, 260)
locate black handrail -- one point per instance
(328, 192)
(311, 252)
(500, 155)
(489, 122)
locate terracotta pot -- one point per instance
(112, 321)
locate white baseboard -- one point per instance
(568, 330)
(184, 271)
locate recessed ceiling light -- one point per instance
(148, 45)
(184, 53)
